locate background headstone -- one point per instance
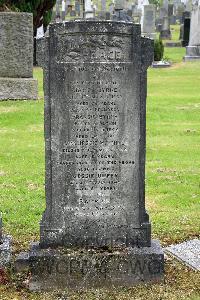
(186, 32)
(16, 56)
(58, 7)
(89, 11)
(78, 8)
(165, 33)
(193, 49)
(148, 28)
(63, 10)
(5, 247)
(95, 128)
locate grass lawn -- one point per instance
(172, 176)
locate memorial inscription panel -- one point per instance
(93, 96)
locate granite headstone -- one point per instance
(16, 56)
(95, 230)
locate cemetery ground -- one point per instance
(172, 179)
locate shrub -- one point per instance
(158, 50)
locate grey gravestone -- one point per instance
(165, 33)
(119, 4)
(16, 56)
(103, 5)
(5, 247)
(95, 230)
(111, 8)
(58, 3)
(148, 28)
(77, 8)
(72, 13)
(67, 3)
(130, 12)
(163, 13)
(193, 49)
(172, 20)
(170, 10)
(187, 252)
(121, 15)
(188, 5)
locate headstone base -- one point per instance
(165, 34)
(172, 44)
(18, 88)
(192, 53)
(150, 35)
(161, 64)
(5, 250)
(61, 268)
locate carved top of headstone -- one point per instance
(16, 44)
(95, 91)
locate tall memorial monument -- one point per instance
(95, 230)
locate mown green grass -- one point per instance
(173, 139)
(172, 170)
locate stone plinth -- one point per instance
(95, 131)
(18, 88)
(16, 56)
(58, 269)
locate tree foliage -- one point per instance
(41, 9)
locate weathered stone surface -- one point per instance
(93, 160)
(16, 56)
(18, 88)
(5, 250)
(148, 28)
(187, 252)
(95, 79)
(16, 44)
(165, 33)
(5, 247)
(57, 269)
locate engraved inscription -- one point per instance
(94, 153)
(93, 48)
